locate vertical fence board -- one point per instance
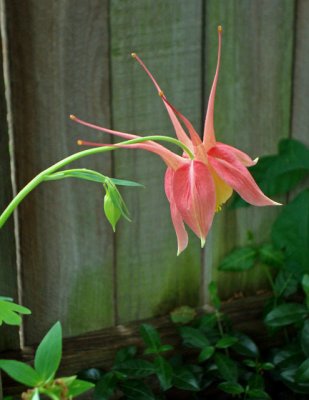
(300, 118)
(59, 65)
(252, 109)
(167, 36)
(8, 274)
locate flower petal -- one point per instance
(194, 195)
(240, 155)
(181, 233)
(209, 139)
(235, 174)
(180, 133)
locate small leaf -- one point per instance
(239, 259)
(258, 394)
(206, 353)
(122, 182)
(286, 314)
(267, 366)
(290, 231)
(286, 283)
(304, 338)
(78, 387)
(165, 347)
(226, 341)
(193, 337)
(20, 372)
(106, 387)
(271, 256)
(245, 346)
(79, 173)
(302, 373)
(184, 379)
(183, 315)
(164, 372)
(137, 390)
(9, 311)
(136, 368)
(305, 286)
(125, 354)
(151, 338)
(227, 368)
(231, 387)
(48, 355)
(213, 294)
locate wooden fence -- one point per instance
(59, 256)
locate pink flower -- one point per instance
(197, 188)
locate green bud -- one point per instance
(112, 211)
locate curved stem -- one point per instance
(76, 156)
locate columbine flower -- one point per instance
(196, 188)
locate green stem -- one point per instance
(60, 164)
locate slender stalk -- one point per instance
(76, 156)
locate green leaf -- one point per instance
(271, 256)
(164, 372)
(226, 341)
(125, 354)
(78, 387)
(122, 182)
(305, 286)
(267, 366)
(227, 368)
(206, 353)
(286, 314)
(245, 346)
(258, 394)
(79, 173)
(137, 390)
(286, 283)
(302, 373)
(239, 259)
(9, 311)
(151, 338)
(106, 387)
(136, 368)
(290, 232)
(213, 294)
(20, 372)
(184, 379)
(183, 315)
(48, 355)
(193, 337)
(304, 338)
(165, 347)
(231, 387)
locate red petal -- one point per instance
(181, 233)
(181, 134)
(209, 133)
(194, 195)
(240, 155)
(232, 171)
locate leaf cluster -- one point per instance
(41, 378)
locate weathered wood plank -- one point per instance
(59, 65)
(300, 117)
(8, 275)
(252, 109)
(98, 349)
(167, 35)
